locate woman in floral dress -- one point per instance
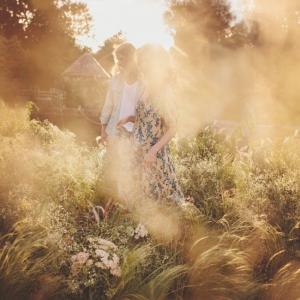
(155, 127)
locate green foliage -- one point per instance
(105, 53)
(204, 165)
(220, 269)
(26, 254)
(155, 285)
(268, 182)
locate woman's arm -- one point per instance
(163, 141)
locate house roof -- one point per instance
(86, 66)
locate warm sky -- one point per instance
(141, 20)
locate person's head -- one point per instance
(155, 65)
(125, 56)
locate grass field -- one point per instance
(57, 243)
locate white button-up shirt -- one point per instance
(112, 111)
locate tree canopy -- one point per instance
(38, 39)
(29, 19)
(201, 23)
(105, 53)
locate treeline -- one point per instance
(228, 68)
(37, 41)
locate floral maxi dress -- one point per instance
(158, 180)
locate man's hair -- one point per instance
(126, 48)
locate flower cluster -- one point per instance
(140, 232)
(105, 251)
(108, 261)
(78, 261)
(101, 254)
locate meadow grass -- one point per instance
(58, 243)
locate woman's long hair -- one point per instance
(156, 61)
(159, 60)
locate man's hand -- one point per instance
(122, 122)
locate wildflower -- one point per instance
(113, 265)
(116, 259)
(106, 244)
(116, 271)
(80, 258)
(102, 243)
(101, 253)
(140, 231)
(107, 263)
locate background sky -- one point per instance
(141, 20)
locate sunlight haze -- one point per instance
(140, 20)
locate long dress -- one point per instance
(158, 180)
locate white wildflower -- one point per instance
(101, 253)
(140, 231)
(102, 243)
(116, 259)
(80, 258)
(116, 271)
(105, 244)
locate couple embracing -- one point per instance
(138, 109)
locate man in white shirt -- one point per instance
(122, 96)
(128, 103)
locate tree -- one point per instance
(29, 18)
(202, 24)
(14, 17)
(45, 31)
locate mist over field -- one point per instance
(67, 234)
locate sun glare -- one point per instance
(141, 21)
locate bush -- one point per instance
(204, 166)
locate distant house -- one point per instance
(76, 101)
(85, 82)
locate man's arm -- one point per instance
(104, 134)
(106, 113)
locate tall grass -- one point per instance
(26, 256)
(58, 242)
